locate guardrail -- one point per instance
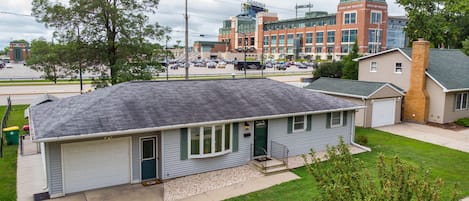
(279, 152)
(4, 124)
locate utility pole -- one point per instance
(166, 57)
(187, 44)
(79, 59)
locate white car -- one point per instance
(221, 64)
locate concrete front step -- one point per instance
(269, 167)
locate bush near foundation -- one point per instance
(463, 122)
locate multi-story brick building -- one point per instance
(19, 50)
(317, 35)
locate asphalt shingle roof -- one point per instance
(147, 104)
(450, 67)
(343, 86)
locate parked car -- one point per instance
(211, 64)
(269, 65)
(221, 64)
(174, 66)
(281, 66)
(301, 66)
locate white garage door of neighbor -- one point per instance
(383, 112)
(95, 164)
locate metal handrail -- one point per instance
(3, 125)
(264, 163)
(279, 151)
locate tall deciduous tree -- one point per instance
(111, 27)
(442, 22)
(350, 70)
(465, 47)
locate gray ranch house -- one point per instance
(138, 131)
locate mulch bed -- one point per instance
(449, 126)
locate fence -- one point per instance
(4, 124)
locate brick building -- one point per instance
(19, 50)
(317, 35)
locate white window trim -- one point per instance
(371, 16)
(201, 148)
(395, 68)
(462, 108)
(371, 67)
(304, 124)
(153, 145)
(350, 12)
(341, 120)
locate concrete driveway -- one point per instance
(458, 140)
(118, 193)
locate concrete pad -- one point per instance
(30, 177)
(246, 187)
(127, 193)
(72, 197)
(443, 137)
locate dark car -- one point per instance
(281, 66)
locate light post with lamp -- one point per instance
(245, 49)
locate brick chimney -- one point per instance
(416, 99)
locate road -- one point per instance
(26, 94)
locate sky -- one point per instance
(205, 17)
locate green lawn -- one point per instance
(8, 162)
(450, 165)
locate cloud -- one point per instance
(205, 17)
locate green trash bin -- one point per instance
(11, 135)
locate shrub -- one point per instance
(463, 122)
(362, 140)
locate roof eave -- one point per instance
(172, 127)
(339, 94)
(383, 52)
(436, 81)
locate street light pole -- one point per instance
(166, 57)
(187, 44)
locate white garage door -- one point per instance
(95, 164)
(383, 112)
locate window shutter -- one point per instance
(328, 120)
(344, 120)
(308, 122)
(290, 125)
(235, 137)
(184, 145)
(455, 102)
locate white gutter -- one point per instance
(43, 149)
(146, 130)
(352, 136)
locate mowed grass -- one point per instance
(8, 162)
(450, 165)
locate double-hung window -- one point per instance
(207, 141)
(337, 119)
(373, 66)
(462, 102)
(299, 123)
(375, 17)
(398, 68)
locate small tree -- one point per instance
(328, 69)
(51, 59)
(465, 46)
(345, 178)
(350, 70)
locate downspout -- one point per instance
(365, 112)
(352, 136)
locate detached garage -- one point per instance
(382, 100)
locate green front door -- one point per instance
(149, 156)
(17, 54)
(260, 138)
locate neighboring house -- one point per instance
(135, 131)
(435, 80)
(382, 100)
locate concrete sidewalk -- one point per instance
(458, 140)
(30, 178)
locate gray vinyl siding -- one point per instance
(301, 142)
(54, 169)
(173, 166)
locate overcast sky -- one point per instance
(205, 17)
